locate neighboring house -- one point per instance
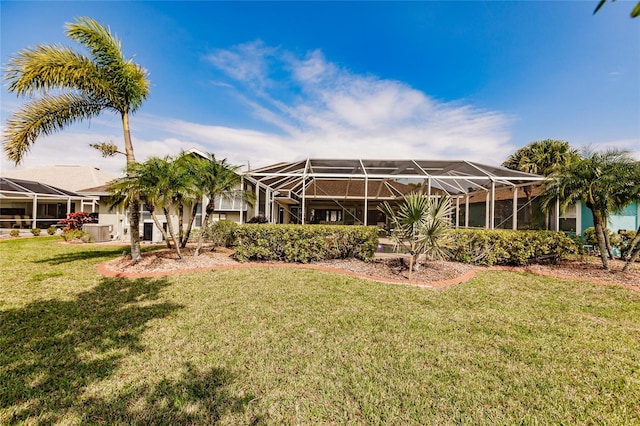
(26, 204)
(69, 178)
(575, 218)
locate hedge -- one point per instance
(503, 247)
(305, 243)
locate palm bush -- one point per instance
(420, 226)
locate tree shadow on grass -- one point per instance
(82, 255)
(52, 350)
(197, 397)
(93, 254)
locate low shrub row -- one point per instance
(305, 243)
(503, 247)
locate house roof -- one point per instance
(20, 188)
(69, 178)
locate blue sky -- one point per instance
(263, 82)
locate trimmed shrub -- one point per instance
(305, 243)
(76, 235)
(221, 233)
(503, 247)
(14, 232)
(51, 230)
(36, 231)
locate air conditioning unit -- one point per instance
(99, 233)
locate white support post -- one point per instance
(366, 201)
(457, 211)
(493, 205)
(242, 201)
(429, 189)
(68, 205)
(466, 211)
(34, 213)
(514, 214)
(302, 213)
(487, 212)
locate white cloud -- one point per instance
(336, 113)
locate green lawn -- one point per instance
(280, 346)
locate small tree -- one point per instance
(420, 226)
(76, 220)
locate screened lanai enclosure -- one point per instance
(341, 191)
(26, 204)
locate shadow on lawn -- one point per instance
(88, 254)
(52, 350)
(83, 255)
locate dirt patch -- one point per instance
(388, 268)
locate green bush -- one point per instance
(502, 247)
(305, 243)
(36, 231)
(619, 240)
(626, 237)
(76, 235)
(221, 233)
(14, 232)
(51, 230)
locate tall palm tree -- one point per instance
(599, 180)
(219, 179)
(419, 226)
(66, 87)
(542, 158)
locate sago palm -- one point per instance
(420, 226)
(65, 87)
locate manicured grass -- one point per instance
(281, 346)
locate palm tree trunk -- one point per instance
(172, 233)
(635, 251)
(194, 211)
(209, 209)
(602, 245)
(134, 221)
(527, 192)
(154, 216)
(608, 242)
(134, 205)
(180, 222)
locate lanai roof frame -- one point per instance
(455, 178)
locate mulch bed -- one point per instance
(388, 269)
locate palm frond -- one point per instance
(45, 116)
(129, 82)
(46, 68)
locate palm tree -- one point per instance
(599, 180)
(419, 226)
(218, 179)
(141, 182)
(188, 192)
(74, 87)
(539, 157)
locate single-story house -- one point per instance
(26, 204)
